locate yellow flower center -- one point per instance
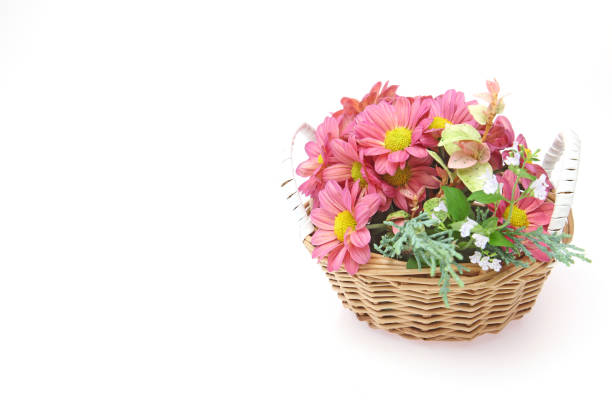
(320, 159)
(527, 153)
(342, 222)
(400, 177)
(439, 123)
(356, 174)
(518, 218)
(398, 138)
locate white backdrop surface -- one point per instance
(148, 259)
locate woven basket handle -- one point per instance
(567, 148)
(289, 185)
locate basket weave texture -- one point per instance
(407, 302)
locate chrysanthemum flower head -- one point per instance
(341, 220)
(391, 133)
(407, 185)
(318, 157)
(529, 212)
(450, 108)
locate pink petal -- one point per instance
(313, 149)
(322, 218)
(351, 266)
(365, 208)
(380, 164)
(322, 236)
(360, 237)
(398, 157)
(417, 151)
(375, 151)
(337, 172)
(335, 258)
(320, 251)
(361, 255)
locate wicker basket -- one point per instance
(407, 302)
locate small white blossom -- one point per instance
(491, 185)
(467, 227)
(441, 207)
(476, 257)
(540, 187)
(513, 158)
(480, 240)
(484, 263)
(433, 216)
(495, 264)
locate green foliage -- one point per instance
(497, 239)
(551, 244)
(431, 204)
(474, 177)
(454, 133)
(457, 204)
(437, 250)
(522, 173)
(484, 198)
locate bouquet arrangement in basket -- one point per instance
(435, 181)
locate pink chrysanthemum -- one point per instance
(350, 166)
(341, 220)
(348, 162)
(450, 108)
(407, 185)
(530, 212)
(318, 157)
(393, 133)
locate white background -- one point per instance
(148, 259)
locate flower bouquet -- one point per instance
(431, 217)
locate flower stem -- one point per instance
(376, 226)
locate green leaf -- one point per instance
(475, 177)
(457, 204)
(490, 224)
(398, 214)
(478, 112)
(412, 263)
(439, 160)
(432, 203)
(498, 239)
(522, 173)
(454, 133)
(484, 198)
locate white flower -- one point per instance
(540, 187)
(466, 228)
(480, 240)
(441, 207)
(491, 185)
(433, 216)
(513, 158)
(484, 263)
(495, 264)
(476, 257)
